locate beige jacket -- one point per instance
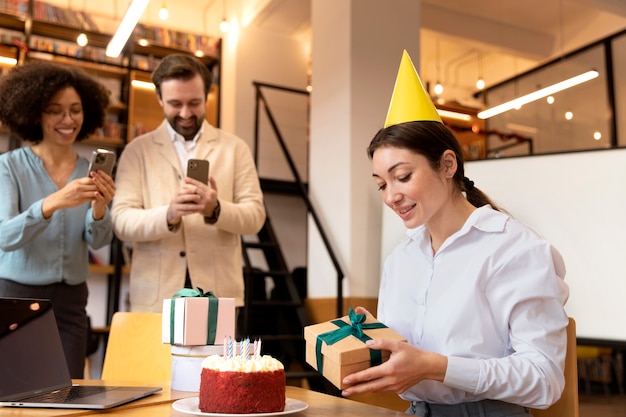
(148, 175)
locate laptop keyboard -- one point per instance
(65, 395)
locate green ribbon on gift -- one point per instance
(354, 328)
(213, 306)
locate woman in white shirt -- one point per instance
(478, 295)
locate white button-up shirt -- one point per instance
(491, 300)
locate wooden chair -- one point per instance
(134, 352)
(567, 405)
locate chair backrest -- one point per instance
(134, 352)
(567, 405)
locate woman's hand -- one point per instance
(105, 190)
(407, 365)
(73, 194)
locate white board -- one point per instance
(578, 202)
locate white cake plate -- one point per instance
(190, 406)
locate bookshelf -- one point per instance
(49, 33)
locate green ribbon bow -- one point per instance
(355, 328)
(213, 306)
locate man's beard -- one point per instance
(188, 132)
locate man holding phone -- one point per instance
(185, 231)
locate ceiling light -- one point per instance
(528, 98)
(550, 99)
(134, 12)
(569, 115)
(82, 40)
(480, 83)
(8, 61)
(145, 85)
(454, 115)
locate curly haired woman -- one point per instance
(51, 209)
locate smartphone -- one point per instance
(103, 160)
(198, 169)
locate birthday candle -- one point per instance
(254, 349)
(230, 348)
(247, 348)
(241, 349)
(258, 353)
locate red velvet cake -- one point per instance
(238, 386)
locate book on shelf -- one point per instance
(15, 7)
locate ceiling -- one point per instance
(495, 39)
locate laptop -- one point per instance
(33, 370)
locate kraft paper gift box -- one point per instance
(349, 354)
(200, 319)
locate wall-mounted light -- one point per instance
(134, 12)
(544, 92)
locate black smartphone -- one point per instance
(198, 169)
(103, 160)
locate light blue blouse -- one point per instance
(39, 251)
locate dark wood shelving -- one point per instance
(104, 142)
(56, 41)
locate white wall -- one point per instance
(577, 202)
(278, 60)
(356, 53)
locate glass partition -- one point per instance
(618, 47)
(578, 118)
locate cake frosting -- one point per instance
(240, 385)
(265, 363)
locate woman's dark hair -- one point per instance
(183, 67)
(27, 89)
(430, 139)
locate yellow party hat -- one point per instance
(410, 102)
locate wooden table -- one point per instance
(160, 405)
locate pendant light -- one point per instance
(163, 12)
(224, 25)
(81, 39)
(480, 82)
(438, 86)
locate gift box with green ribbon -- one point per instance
(337, 348)
(195, 318)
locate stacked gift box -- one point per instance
(196, 324)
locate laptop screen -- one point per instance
(31, 355)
